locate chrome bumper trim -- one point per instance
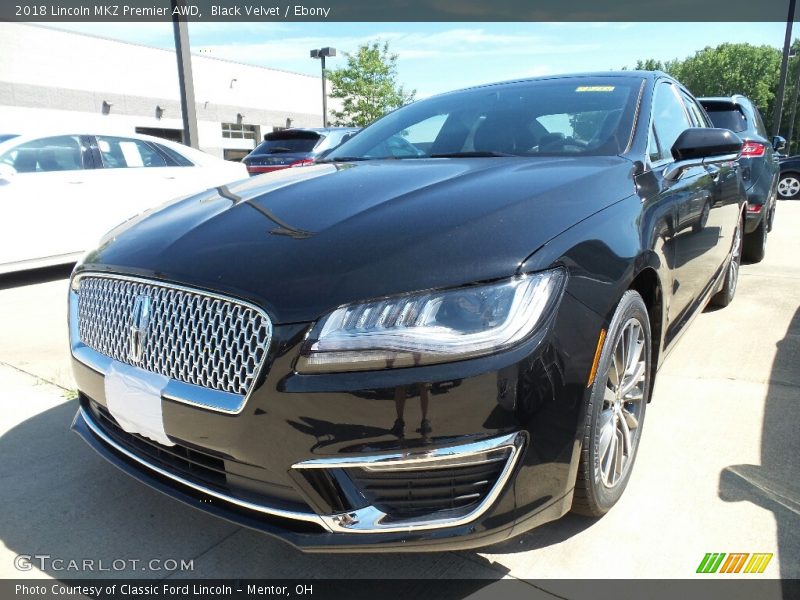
(372, 520)
(277, 512)
(368, 519)
(178, 391)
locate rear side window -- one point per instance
(179, 159)
(669, 118)
(60, 153)
(282, 142)
(122, 153)
(728, 118)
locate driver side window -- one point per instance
(120, 153)
(669, 119)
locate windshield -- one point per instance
(280, 142)
(568, 116)
(333, 139)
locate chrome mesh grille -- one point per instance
(192, 337)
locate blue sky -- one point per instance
(436, 57)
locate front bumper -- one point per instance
(304, 530)
(297, 461)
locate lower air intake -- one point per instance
(411, 493)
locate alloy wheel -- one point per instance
(788, 186)
(622, 404)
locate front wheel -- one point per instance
(616, 408)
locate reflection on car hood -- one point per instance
(303, 241)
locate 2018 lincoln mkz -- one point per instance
(445, 334)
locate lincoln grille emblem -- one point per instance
(140, 318)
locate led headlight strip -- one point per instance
(432, 326)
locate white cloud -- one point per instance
(451, 44)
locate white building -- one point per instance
(49, 76)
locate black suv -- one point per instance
(759, 163)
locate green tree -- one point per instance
(729, 69)
(367, 86)
(654, 65)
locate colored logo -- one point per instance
(736, 562)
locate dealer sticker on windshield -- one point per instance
(594, 88)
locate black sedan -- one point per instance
(444, 335)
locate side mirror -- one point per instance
(7, 173)
(699, 146)
(778, 143)
(346, 137)
(702, 142)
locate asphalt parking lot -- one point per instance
(718, 468)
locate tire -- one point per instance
(725, 296)
(601, 477)
(701, 224)
(755, 244)
(789, 186)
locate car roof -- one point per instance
(626, 74)
(41, 132)
(319, 129)
(195, 155)
(733, 100)
(622, 74)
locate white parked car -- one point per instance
(60, 192)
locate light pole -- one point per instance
(794, 109)
(322, 54)
(185, 80)
(787, 43)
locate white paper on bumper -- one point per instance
(133, 397)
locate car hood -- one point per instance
(302, 241)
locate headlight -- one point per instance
(431, 327)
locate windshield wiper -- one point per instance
(473, 154)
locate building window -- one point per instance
(240, 131)
(234, 155)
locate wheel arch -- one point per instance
(647, 284)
